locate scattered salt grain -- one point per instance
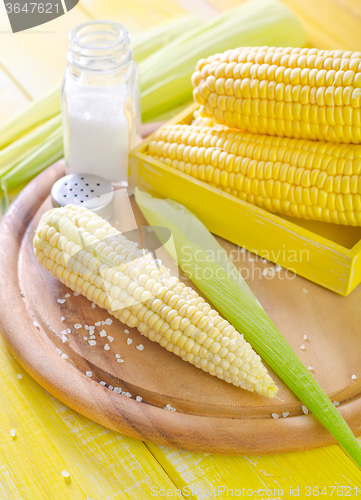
(86, 327)
(285, 414)
(335, 403)
(103, 333)
(77, 326)
(169, 408)
(302, 347)
(251, 259)
(102, 382)
(278, 268)
(67, 295)
(92, 342)
(98, 323)
(139, 398)
(64, 338)
(36, 324)
(353, 377)
(140, 347)
(93, 305)
(76, 294)
(64, 356)
(85, 338)
(65, 473)
(64, 332)
(19, 376)
(110, 338)
(61, 301)
(12, 433)
(110, 387)
(265, 272)
(243, 250)
(108, 321)
(68, 330)
(118, 390)
(310, 368)
(305, 410)
(106, 347)
(117, 356)
(126, 331)
(62, 318)
(92, 337)
(126, 394)
(275, 415)
(129, 341)
(305, 337)
(305, 291)
(263, 260)
(119, 360)
(58, 350)
(89, 374)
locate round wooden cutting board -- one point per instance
(211, 415)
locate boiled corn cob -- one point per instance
(307, 179)
(300, 93)
(92, 258)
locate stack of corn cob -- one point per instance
(308, 101)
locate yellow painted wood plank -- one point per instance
(12, 98)
(329, 24)
(324, 467)
(136, 15)
(36, 58)
(51, 438)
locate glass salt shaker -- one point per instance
(100, 101)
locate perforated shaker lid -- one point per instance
(90, 191)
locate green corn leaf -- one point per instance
(26, 145)
(192, 242)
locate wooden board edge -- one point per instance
(36, 353)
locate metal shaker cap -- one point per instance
(91, 191)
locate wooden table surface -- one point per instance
(51, 438)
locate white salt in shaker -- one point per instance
(100, 102)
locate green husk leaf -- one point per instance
(48, 153)
(38, 112)
(166, 75)
(145, 44)
(26, 145)
(192, 242)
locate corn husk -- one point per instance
(233, 299)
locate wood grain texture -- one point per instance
(212, 416)
(19, 99)
(36, 58)
(137, 15)
(329, 24)
(113, 465)
(319, 468)
(51, 438)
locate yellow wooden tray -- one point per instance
(327, 254)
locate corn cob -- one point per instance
(306, 179)
(300, 93)
(92, 258)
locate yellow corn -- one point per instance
(301, 93)
(308, 179)
(92, 258)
